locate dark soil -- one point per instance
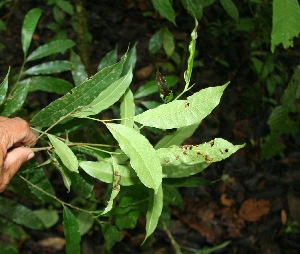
(256, 199)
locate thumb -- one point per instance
(15, 158)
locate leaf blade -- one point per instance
(108, 96)
(71, 231)
(29, 25)
(180, 113)
(141, 153)
(79, 96)
(51, 48)
(127, 109)
(66, 155)
(15, 101)
(3, 87)
(49, 68)
(154, 211)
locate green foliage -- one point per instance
(284, 119)
(141, 178)
(286, 22)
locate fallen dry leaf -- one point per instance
(226, 201)
(252, 210)
(56, 243)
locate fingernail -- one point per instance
(30, 156)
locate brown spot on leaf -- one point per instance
(207, 158)
(187, 105)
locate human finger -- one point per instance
(13, 161)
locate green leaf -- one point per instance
(48, 217)
(107, 97)
(80, 96)
(231, 9)
(85, 222)
(285, 22)
(66, 155)
(192, 47)
(194, 8)
(49, 68)
(3, 87)
(66, 6)
(111, 235)
(168, 42)
(151, 88)
(183, 170)
(127, 109)
(213, 151)
(156, 42)
(48, 84)
(30, 22)
(103, 171)
(78, 71)
(51, 48)
(65, 173)
(15, 101)
(109, 59)
(180, 113)
(8, 248)
(37, 177)
(154, 211)
(143, 158)
(19, 214)
(165, 9)
(71, 230)
(177, 137)
(130, 60)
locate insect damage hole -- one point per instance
(187, 105)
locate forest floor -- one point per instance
(257, 200)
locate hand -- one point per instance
(15, 135)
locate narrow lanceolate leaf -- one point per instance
(231, 9)
(177, 137)
(65, 173)
(78, 71)
(28, 28)
(192, 49)
(49, 68)
(285, 24)
(127, 109)
(143, 158)
(155, 206)
(180, 113)
(66, 155)
(51, 48)
(165, 9)
(48, 84)
(3, 87)
(80, 96)
(213, 151)
(103, 171)
(107, 97)
(71, 230)
(16, 100)
(115, 187)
